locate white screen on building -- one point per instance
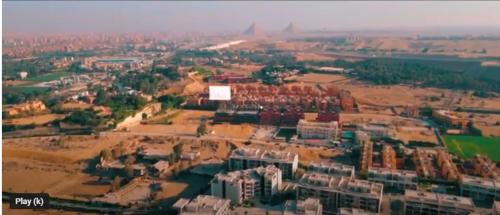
(220, 93)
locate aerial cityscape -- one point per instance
(239, 108)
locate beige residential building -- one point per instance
(203, 205)
(398, 180)
(418, 202)
(332, 168)
(354, 211)
(337, 192)
(448, 169)
(261, 182)
(423, 164)
(484, 167)
(318, 130)
(480, 189)
(366, 158)
(309, 206)
(248, 158)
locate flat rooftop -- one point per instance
(437, 198)
(262, 154)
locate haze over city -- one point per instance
(240, 107)
(217, 17)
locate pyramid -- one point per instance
(290, 29)
(254, 30)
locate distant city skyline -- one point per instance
(234, 17)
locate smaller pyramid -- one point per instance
(291, 29)
(254, 30)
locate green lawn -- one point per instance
(24, 89)
(49, 76)
(468, 146)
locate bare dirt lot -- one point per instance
(185, 122)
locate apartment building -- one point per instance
(388, 157)
(361, 137)
(260, 182)
(318, 130)
(480, 189)
(484, 167)
(202, 204)
(331, 168)
(337, 192)
(376, 131)
(448, 169)
(398, 180)
(495, 210)
(354, 211)
(247, 158)
(449, 118)
(309, 206)
(366, 158)
(423, 164)
(418, 202)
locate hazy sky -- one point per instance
(157, 16)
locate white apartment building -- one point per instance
(318, 130)
(310, 206)
(354, 211)
(332, 168)
(202, 204)
(248, 158)
(480, 189)
(261, 182)
(399, 180)
(337, 192)
(418, 202)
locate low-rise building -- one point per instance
(418, 202)
(261, 182)
(495, 210)
(388, 157)
(398, 180)
(338, 192)
(247, 158)
(332, 168)
(310, 206)
(484, 167)
(202, 204)
(448, 169)
(480, 189)
(318, 130)
(376, 131)
(423, 164)
(450, 118)
(366, 158)
(354, 211)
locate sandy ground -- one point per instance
(186, 122)
(487, 123)
(7, 210)
(54, 165)
(37, 120)
(75, 106)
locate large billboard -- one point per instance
(220, 93)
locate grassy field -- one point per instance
(24, 89)
(49, 76)
(468, 146)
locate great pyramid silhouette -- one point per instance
(254, 30)
(291, 29)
